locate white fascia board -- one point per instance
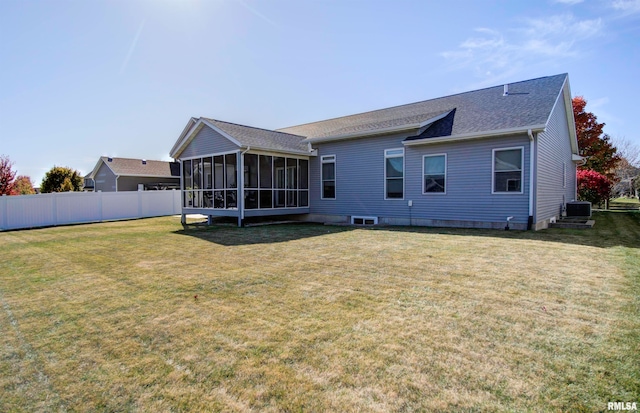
(184, 133)
(276, 152)
(475, 135)
(577, 158)
(148, 176)
(92, 174)
(568, 103)
(195, 129)
(565, 95)
(177, 148)
(103, 159)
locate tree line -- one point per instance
(57, 179)
(611, 168)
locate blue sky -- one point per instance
(82, 79)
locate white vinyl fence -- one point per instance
(41, 210)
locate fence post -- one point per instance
(54, 197)
(100, 206)
(3, 200)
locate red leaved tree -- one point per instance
(593, 186)
(23, 186)
(7, 176)
(596, 147)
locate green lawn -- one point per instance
(104, 317)
(632, 201)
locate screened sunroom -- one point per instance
(269, 184)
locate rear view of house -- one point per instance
(125, 174)
(476, 159)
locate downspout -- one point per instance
(183, 216)
(117, 176)
(531, 178)
(575, 192)
(241, 188)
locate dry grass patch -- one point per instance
(104, 317)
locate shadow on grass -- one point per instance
(612, 228)
(231, 235)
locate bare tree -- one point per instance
(628, 150)
(628, 169)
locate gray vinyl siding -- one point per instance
(360, 181)
(359, 178)
(468, 183)
(207, 142)
(554, 150)
(105, 180)
(130, 183)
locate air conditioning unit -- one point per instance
(579, 209)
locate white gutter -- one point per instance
(475, 135)
(288, 151)
(183, 216)
(241, 188)
(531, 173)
(579, 160)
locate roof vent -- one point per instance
(506, 90)
(109, 159)
(144, 161)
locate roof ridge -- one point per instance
(255, 127)
(132, 159)
(420, 101)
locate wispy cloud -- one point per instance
(134, 43)
(254, 11)
(627, 6)
(496, 55)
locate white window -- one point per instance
(507, 170)
(394, 173)
(434, 171)
(328, 177)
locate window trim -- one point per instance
(386, 156)
(493, 172)
(323, 160)
(446, 166)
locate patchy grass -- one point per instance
(104, 317)
(624, 200)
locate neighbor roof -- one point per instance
(528, 103)
(138, 167)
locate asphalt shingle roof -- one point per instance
(528, 103)
(135, 167)
(261, 138)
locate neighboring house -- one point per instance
(124, 174)
(472, 159)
